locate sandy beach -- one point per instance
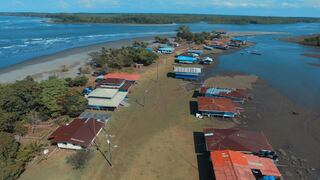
(156, 141)
(51, 65)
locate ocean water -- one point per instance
(281, 63)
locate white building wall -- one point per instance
(69, 146)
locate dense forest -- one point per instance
(163, 18)
(26, 103)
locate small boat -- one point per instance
(208, 47)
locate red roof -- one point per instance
(236, 140)
(216, 104)
(233, 165)
(79, 132)
(126, 76)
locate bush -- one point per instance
(77, 81)
(79, 159)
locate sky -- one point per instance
(302, 8)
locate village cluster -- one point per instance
(234, 153)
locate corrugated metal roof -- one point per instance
(79, 132)
(186, 58)
(216, 104)
(114, 102)
(233, 165)
(103, 93)
(179, 69)
(235, 139)
(224, 92)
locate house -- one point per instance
(236, 95)
(77, 135)
(166, 50)
(236, 165)
(186, 59)
(223, 107)
(125, 76)
(106, 99)
(195, 51)
(236, 140)
(112, 83)
(190, 73)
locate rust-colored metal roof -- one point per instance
(235, 139)
(126, 76)
(216, 104)
(234, 165)
(79, 132)
(115, 81)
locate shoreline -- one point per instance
(45, 66)
(48, 65)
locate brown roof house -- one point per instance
(77, 135)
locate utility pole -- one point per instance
(110, 148)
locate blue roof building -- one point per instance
(186, 59)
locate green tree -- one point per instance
(8, 147)
(184, 32)
(6, 121)
(53, 92)
(77, 81)
(74, 103)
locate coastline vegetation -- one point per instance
(123, 57)
(184, 33)
(141, 18)
(26, 103)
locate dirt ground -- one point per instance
(155, 136)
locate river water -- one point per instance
(281, 63)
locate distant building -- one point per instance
(189, 73)
(195, 51)
(166, 50)
(235, 165)
(186, 59)
(222, 107)
(77, 135)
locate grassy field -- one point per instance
(155, 138)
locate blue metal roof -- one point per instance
(166, 49)
(186, 58)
